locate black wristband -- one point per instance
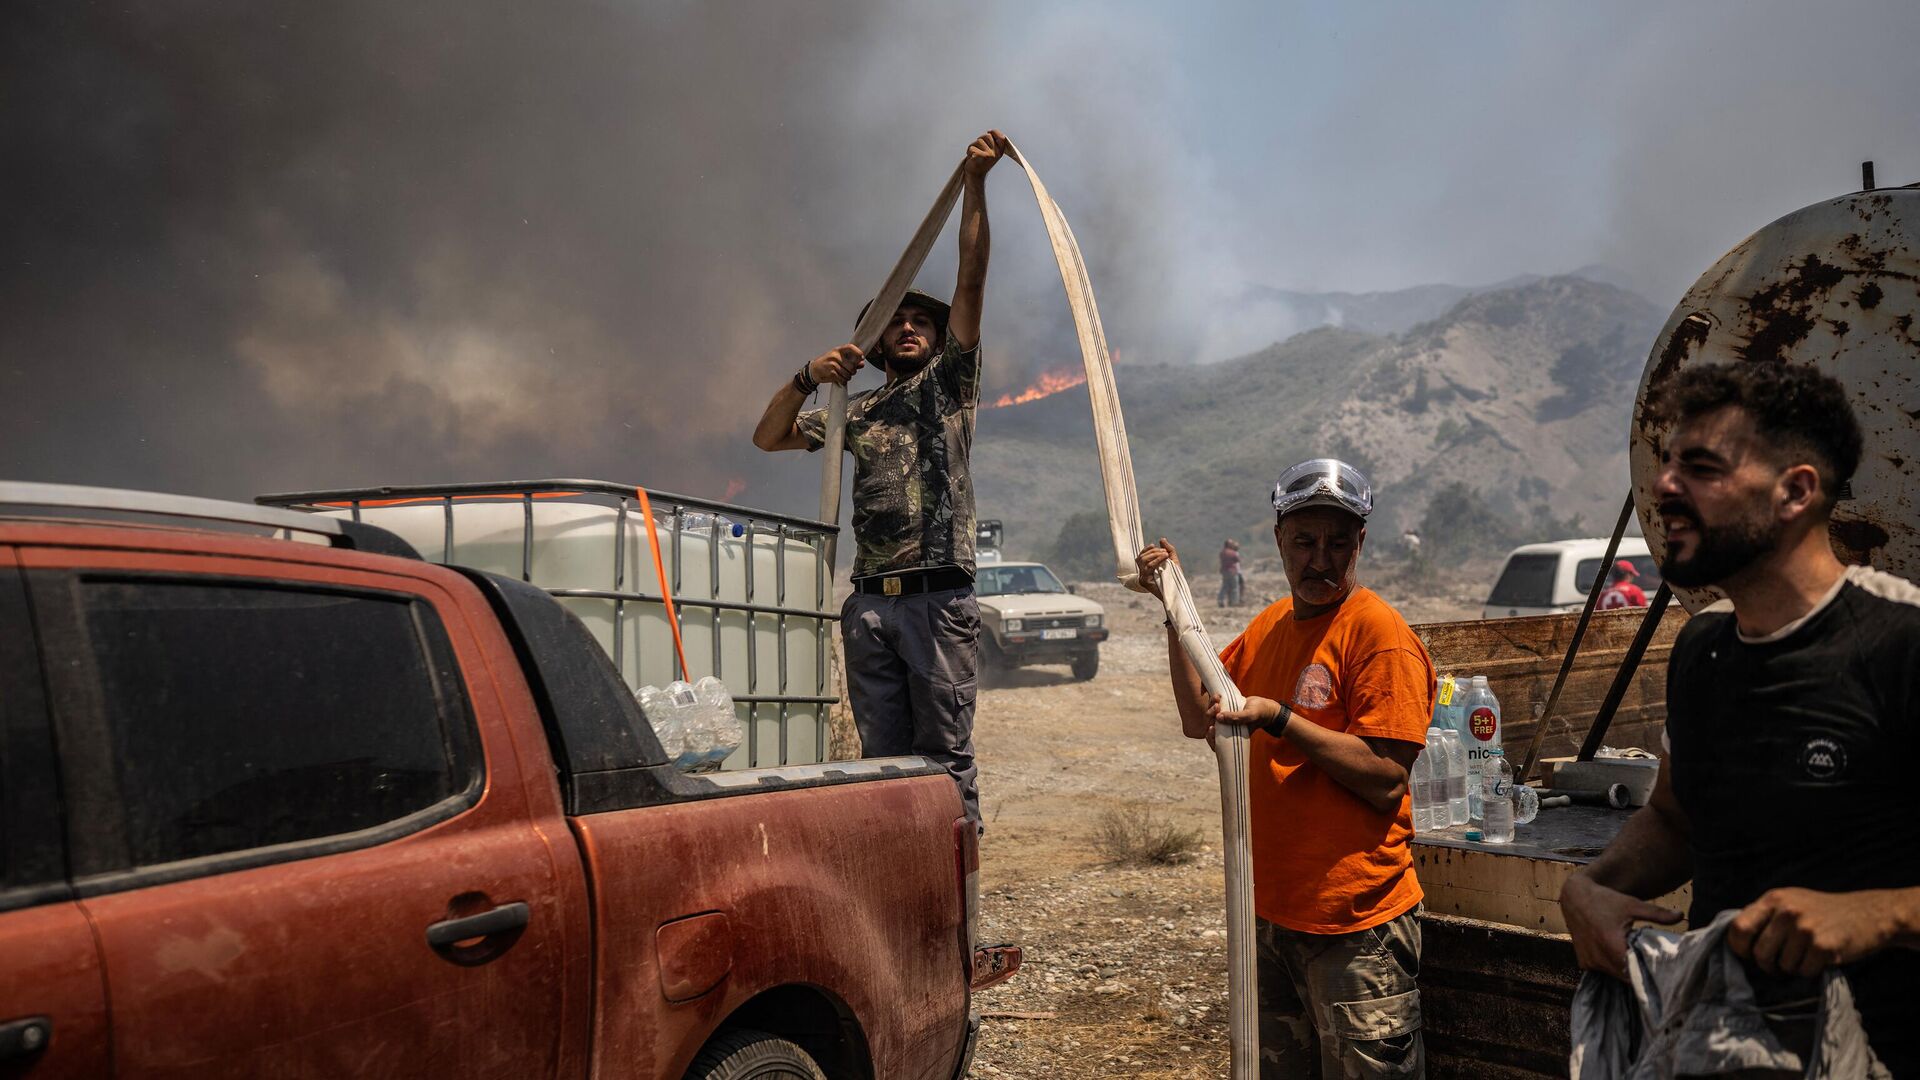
(804, 381)
(1278, 728)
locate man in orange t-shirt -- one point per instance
(1342, 692)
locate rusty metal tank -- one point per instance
(1835, 285)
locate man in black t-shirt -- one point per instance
(1793, 715)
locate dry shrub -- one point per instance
(1138, 836)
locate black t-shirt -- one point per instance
(1794, 759)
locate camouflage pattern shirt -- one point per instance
(912, 485)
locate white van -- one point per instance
(1544, 579)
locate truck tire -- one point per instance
(746, 1054)
(1086, 665)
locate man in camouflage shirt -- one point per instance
(911, 625)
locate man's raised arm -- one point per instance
(963, 321)
(778, 428)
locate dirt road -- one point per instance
(1125, 970)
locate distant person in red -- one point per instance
(1230, 574)
(1621, 591)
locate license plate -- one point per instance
(1058, 635)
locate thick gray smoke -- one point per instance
(289, 245)
(274, 245)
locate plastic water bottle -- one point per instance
(1480, 730)
(1459, 806)
(1445, 701)
(1497, 795)
(673, 713)
(715, 717)
(1526, 804)
(1435, 755)
(1422, 781)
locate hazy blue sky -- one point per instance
(269, 245)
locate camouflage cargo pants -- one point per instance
(1340, 1006)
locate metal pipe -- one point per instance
(724, 605)
(526, 539)
(1628, 665)
(1616, 796)
(1573, 647)
(713, 590)
(753, 656)
(780, 597)
(679, 661)
(619, 583)
(517, 488)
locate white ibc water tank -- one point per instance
(574, 546)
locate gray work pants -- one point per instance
(912, 664)
(1340, 1006)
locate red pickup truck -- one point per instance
(318, 809)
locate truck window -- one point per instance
(1648, 580)
(1527, 581)
(1013, 580)
(33, 866)
(243, 716)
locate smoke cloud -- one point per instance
(273, 245)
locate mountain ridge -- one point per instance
(1522, 393)
(1392, 311)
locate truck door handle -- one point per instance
(20, 1038)
(500, 920)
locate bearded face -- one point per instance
(1716, 497)
(909, 341)
(1712, 553)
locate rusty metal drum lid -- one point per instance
(1835, 285)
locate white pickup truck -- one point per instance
(1029, 617)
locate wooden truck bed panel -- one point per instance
(1521, 657)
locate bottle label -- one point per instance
(1446, 689)
(1484, 724)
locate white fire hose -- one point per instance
(1123, 517)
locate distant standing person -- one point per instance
(1333, 884)
(1621, 592)
(911, 625)
(1230, 591)
(1787, 790)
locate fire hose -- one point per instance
(1123, 518)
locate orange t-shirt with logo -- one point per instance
(1324, 862)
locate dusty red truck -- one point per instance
(291, 809)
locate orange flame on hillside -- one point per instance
(734, 487)
(1046, 385)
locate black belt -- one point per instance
(908, 582)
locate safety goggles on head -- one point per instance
(1323, 482)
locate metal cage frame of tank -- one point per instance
(815, 535)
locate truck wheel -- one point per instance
(1086, 665)
(745, 1054)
